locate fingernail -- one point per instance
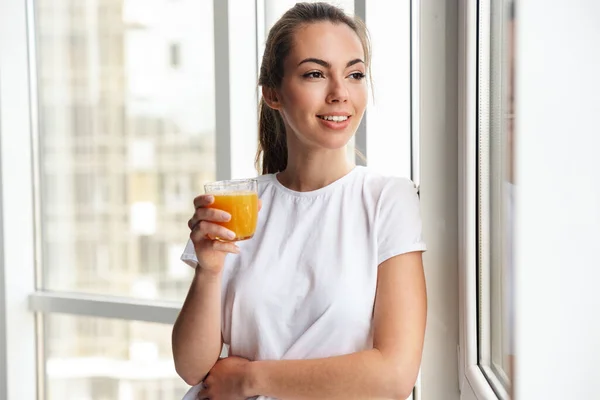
(231, 235)
(225, 216)
(210, 198)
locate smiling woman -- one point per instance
(322, 89)
(327, 300)
(327, 66)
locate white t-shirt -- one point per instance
(304, 286)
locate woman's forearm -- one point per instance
(363, 375)
(196, 337)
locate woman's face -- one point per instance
(323, 94)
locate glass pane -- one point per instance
(502, 188)
(389, 129)
(127, 139)
(107, 359)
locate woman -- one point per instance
(328, 299)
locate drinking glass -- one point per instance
(239, 198)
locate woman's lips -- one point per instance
(335, 125)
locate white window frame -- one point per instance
(476, 381)
(235, 86)
(17, 277)
(22, 307)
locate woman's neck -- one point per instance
(308, 172)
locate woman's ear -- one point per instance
(271, 98)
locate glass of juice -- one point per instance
(239, 198)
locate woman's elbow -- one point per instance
(189, 377)
(403, 392)
(401, 383)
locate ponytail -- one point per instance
(272, 142)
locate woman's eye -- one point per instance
(314, 74)
(357, 75)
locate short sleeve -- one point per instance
(399, 228)
(189, 255)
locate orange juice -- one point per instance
(243, 208)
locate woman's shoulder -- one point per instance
(264, 178)
(264, 182)
(380, 184)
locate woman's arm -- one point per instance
(197, 340)
(388, 371)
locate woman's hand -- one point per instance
(203, 225)
(227, 380)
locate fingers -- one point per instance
(203, 200)
(203, 393)
(227, 247)
(204, 243)
(204, 224)
(208, 214)
(205, 229)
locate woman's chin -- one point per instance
(327, 140)
(337, 146)
(336, 141)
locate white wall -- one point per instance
(558, 200)
(439, 194)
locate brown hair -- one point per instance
(272, 142)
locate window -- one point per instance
(497, 209)
(488, 187)
(101, 358)
(496, 187)
(80, 182)
(105, 224)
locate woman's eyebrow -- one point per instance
(328, 65)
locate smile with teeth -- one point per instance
(334, 118)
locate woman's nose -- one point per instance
(338, 93)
